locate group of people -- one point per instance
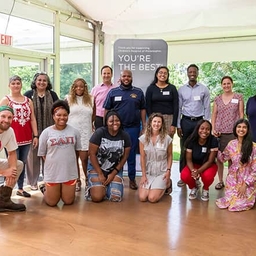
(209, 140)
(104, 128)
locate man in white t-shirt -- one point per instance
(10, 168)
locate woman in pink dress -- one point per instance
(240, 187)
(227, 109)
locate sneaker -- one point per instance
(42, 188)
(193, 193)
(205, 195)
(198, 183)
(180, 183)
(87, 194)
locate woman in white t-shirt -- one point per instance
(59, 145)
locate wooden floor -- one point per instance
(174, 226)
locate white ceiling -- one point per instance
(172, 19)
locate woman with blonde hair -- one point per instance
(81, 117)
(156, 159)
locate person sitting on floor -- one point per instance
(240, 189)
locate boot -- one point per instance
(6, 204)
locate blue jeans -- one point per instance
(114, 188)
(134, 133)
(22, 153)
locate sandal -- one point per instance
(220, 185)
(168, 190)
(78, 185)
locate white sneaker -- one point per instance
(193, 193)
(205, 195)
(180, 183)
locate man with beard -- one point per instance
(194, 105)
(10, 168)
(129, 102)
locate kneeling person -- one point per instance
(109, 149)
(59, 145)
(155, 159)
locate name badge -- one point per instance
(166, 93)
(234, 101)
(204, 149)
(118, 98)
(196, 97)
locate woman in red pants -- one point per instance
(200, 153)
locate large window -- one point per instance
(75, 62)
(27, 34)
(26, 70)
(243, 74)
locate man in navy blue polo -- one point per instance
(129, 102)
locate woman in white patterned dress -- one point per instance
(82, 115)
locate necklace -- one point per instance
(161, 88)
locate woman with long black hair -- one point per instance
(201, 149)
(240, 183)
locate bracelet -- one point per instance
(116, 169)
(36, 136)
(168, 169)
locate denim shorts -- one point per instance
(113, 188)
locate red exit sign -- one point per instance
(5, 39)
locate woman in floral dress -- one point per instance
(240, 183)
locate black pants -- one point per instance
(98, 122)
(187, 127)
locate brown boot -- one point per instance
(6, 204)
(133, 185)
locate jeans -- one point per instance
(22, 153)
(134, 133)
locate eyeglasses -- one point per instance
(163, 73)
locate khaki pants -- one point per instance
(4, 165)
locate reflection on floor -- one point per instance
(174, 226)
